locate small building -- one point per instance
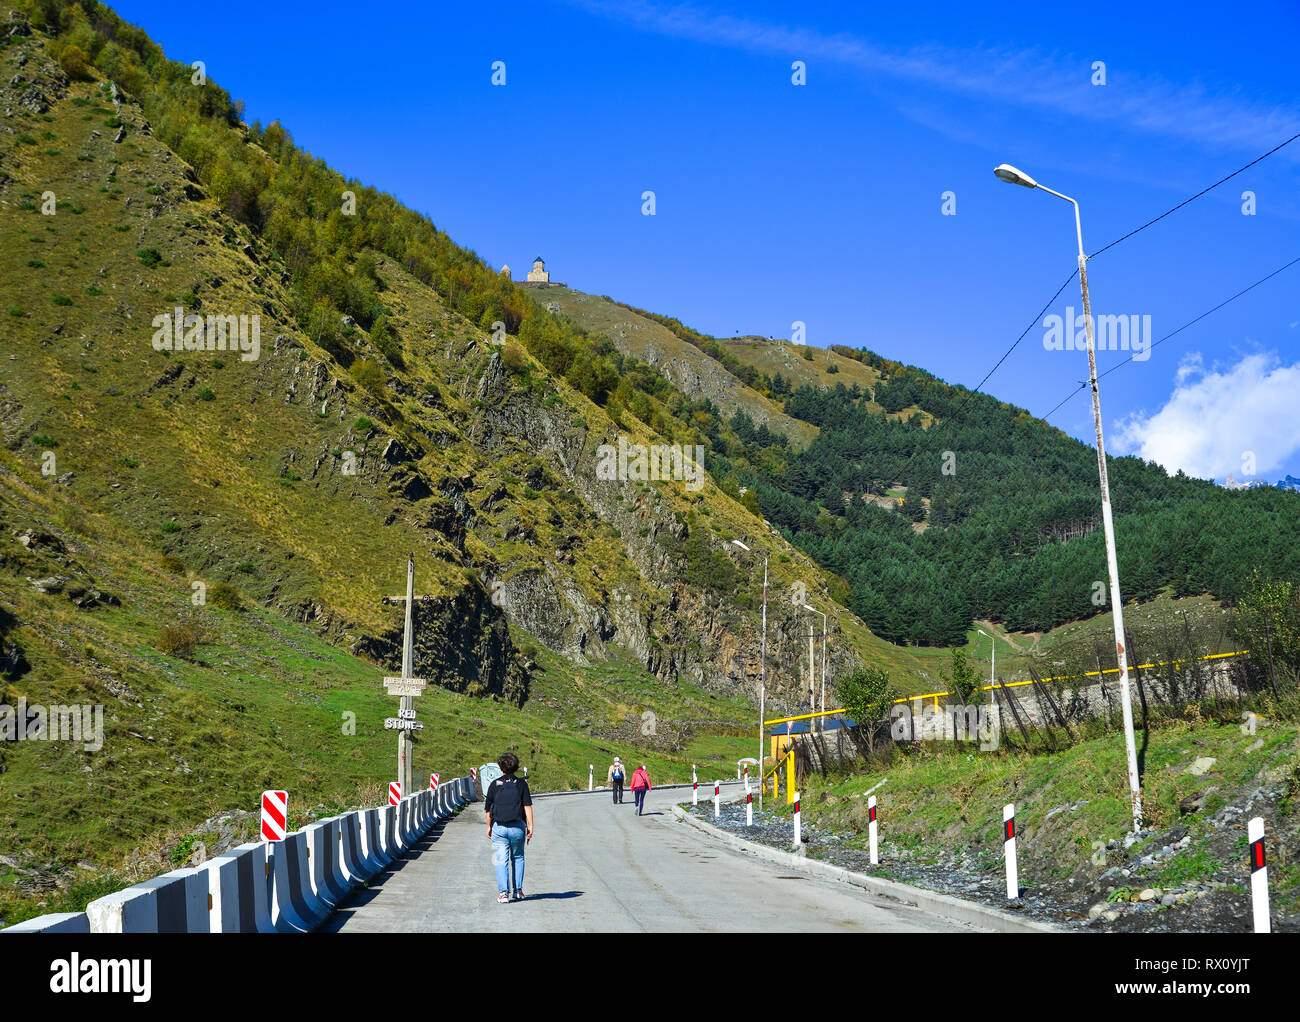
(538, 274)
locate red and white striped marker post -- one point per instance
(717, 799)
(1009, 848)
(871, 829)
(695, 793)
(1258, 875)
(433, 782)
(749, 809)
(798, 830)
(394, 792)
(275, 815)
(746, 775)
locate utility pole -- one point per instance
(762, 685)
(821, 721)
(812, 667)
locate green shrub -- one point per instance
(61, 299)
(75, 63)
(225, 596)
(370, 377)
(171, 527)
(149, 256)
(179, 640)
(513, 356)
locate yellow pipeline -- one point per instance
(1017, 684)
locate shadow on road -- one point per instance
(365, 894)
(557, 896)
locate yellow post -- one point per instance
(789, 777)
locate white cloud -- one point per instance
(1018, 77)
(1215, 417)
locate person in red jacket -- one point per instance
(640, 785)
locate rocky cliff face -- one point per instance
(669, 628)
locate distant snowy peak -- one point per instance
(1290, 483)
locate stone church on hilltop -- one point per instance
(537, 276)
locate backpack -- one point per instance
(507, 804)
(618, 771)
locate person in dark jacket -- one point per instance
(509, 806)
(617, 775)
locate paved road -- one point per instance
(595, 866)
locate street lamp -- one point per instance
(762, 684)
(993, 673)
(821, 724)
(1013, 176)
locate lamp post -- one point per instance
(993, 673)
(762, 682)
(821, 723)
(1011, 175)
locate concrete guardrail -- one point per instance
(288, 886)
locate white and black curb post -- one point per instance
(749, 809)
(591, 776)
(717, 799)
(1009, 847)
(798, 831)
(871, 830)
(1258, 875)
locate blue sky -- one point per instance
(823, 202)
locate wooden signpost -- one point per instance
(406, 687)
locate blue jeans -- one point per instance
(507, 852)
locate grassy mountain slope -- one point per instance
(694, 372)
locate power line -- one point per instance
(934, 437)
(1005, 355)
(1196, 196)
(1099, 251)
(1117, 241)
(1189, 323)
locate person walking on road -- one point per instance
(617, 773)
(640, 785)
(509, 806)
